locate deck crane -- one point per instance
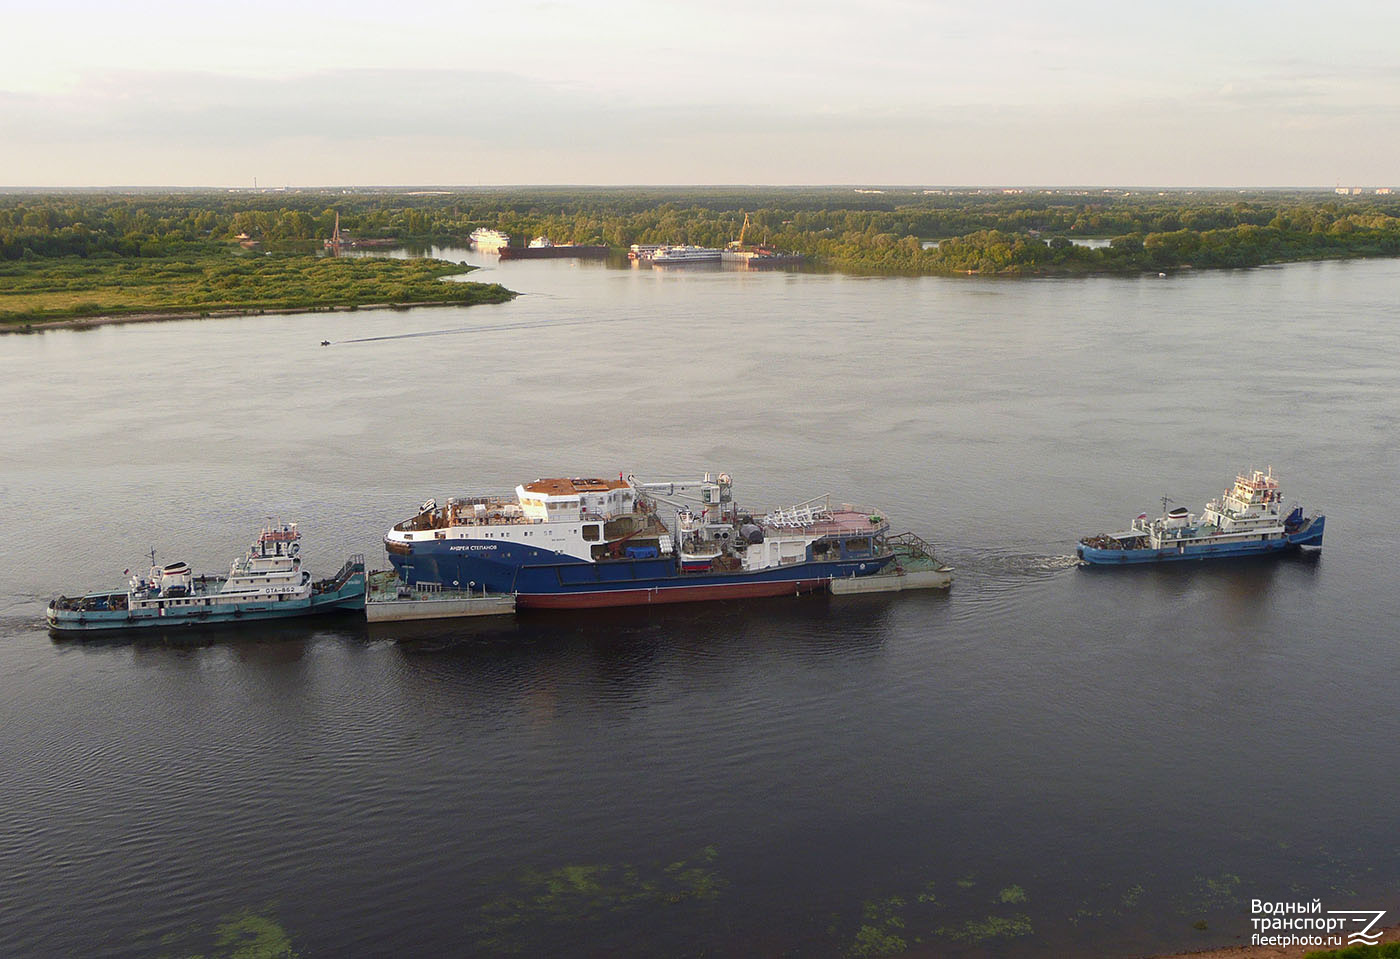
(739, 243)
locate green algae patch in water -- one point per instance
(246, 934)
(251, 936)
(881, 931)
(581, 880)
(891, 925)
(1212, 894)
(589, 893)
(993, 927)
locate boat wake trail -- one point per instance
(16, 623)
(542, 324)
(990, 587)
(1011, 566)
(1052, 564)
(15, 604)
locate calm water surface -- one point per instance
(1046, 760)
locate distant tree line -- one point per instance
(988, 233)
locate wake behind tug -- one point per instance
(1247, 520)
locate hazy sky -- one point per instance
(862, 92)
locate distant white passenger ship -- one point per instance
(675, 255)
(489, 241)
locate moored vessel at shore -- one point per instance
(684, 255)
(488, 240)
(268, 582)
(567, 543)
(757, 257)
(543, 248)
(1247, 520)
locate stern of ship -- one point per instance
(1309, 533)
(344, 590)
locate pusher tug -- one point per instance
(1247, 520)
(266, 583)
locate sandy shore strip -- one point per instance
(85, 322)
(1389, 934)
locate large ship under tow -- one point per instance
(568, 543)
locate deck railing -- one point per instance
(353, 566)
(916, 545)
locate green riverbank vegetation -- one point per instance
(890, 230)
(38, 290)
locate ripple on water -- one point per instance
(1037, 724)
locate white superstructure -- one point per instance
(561, 515)
(1250, 511)
(266, 583)
(592, 519)
(668, 255)
(488, 240)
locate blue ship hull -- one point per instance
(1309, 535)
(546, 579)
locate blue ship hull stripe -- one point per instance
(510, 568)
(1309, 535)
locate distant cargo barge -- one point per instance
(759, 257)
(338, 240)
(542, 249)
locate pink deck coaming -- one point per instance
(665, 594)
(567, 486)
(843, 522)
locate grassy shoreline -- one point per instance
(73, 292)
(158, 316)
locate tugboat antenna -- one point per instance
(1165, 501)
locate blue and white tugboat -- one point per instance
(267, 583)
(1247, 520)
(577, 543)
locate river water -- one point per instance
(1044, 760)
